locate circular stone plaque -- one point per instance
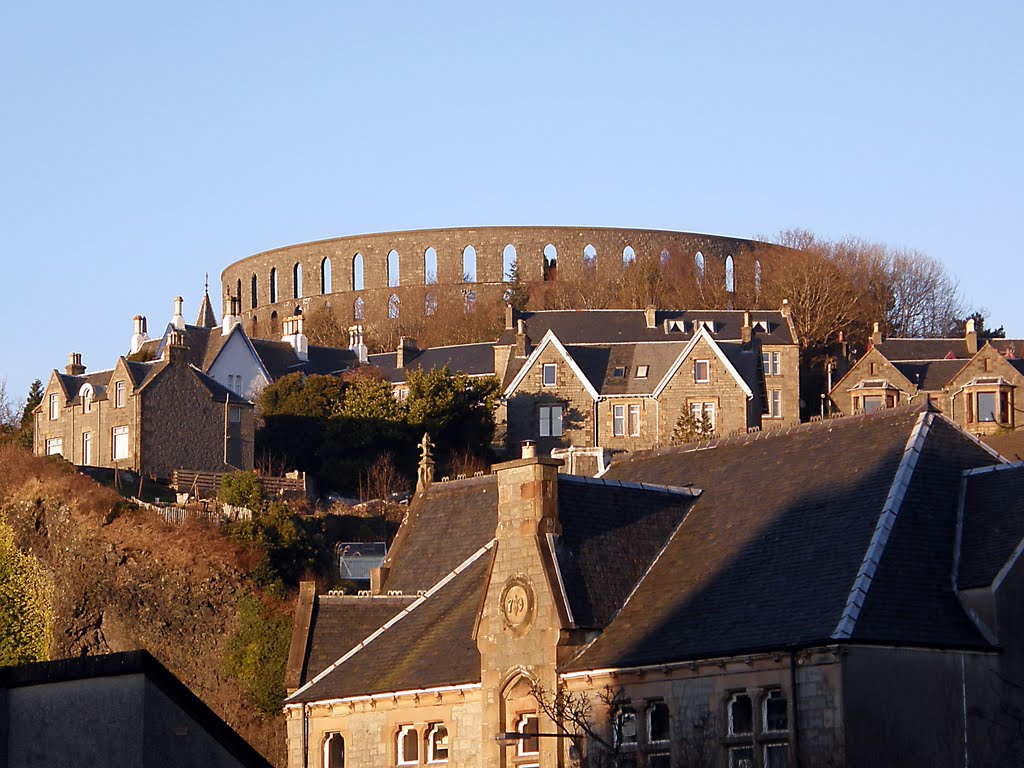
(516, 603)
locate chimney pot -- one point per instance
(529, 449)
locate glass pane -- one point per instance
(556, 421)
(741, 757)
(659, 761)
(659, 722)
(776, 756)
(775, 715)
(986, 406)
(741, 715)
(627, 726)
(872, 403)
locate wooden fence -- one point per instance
(204, 485)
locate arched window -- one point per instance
(628, 256)
(698, 262)
(408, 745)
(86, 393)
(730, 275)
(297, 281)
(437, 744)
(274, 327)
(357, 272)
(334, 751)
(273, 285)
(430, 304)
(469, 264)
(238, 292)
(253, 327)
(393, 306)
(509, 267)
(430, 267)
(325, 275)
(255, 291)
(757, 278)
(550, 261)
(393, 266)
(469, 301)
(357, 309)
(529, 725)
(666, 257)
(590, 257)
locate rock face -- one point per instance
(124, 579)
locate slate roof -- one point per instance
(619, 326)
(471, 359)
(206, 318)
(993, 523)
(930, 375)
(769, 553)
(1008, 444)
(939, 349)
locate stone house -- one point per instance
(973, 383)
(621, 380)
(149, 417)
(861, 608)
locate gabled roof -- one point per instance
(471, 359)
(930, 375)
(622, 326)
(206, 318)
(770, 554)
(923, 349)
(703, 333)
(551, 340)
(993, 523)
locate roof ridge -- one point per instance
(993, 468)
(886, 522)
(669, 489)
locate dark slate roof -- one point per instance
(610, 535)
(279, 358)
(340, 623)
(218, 390)
(206, 318)
(923, 349)
(657, 357)
(618, 326)
(471, 359)
(1008, 444)
(465, 510)
(993, 524)
(769, 553)
(931, 375)
(432, 645)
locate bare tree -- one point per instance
(9, 416)
(600, 744)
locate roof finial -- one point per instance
(206, 285)
(425, 473)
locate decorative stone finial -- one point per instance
(425, 472)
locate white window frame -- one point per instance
(54, 407)
(633, 420)
(619, 420)
(87, 393)
(772, 363)
(623, 714)
(774, 403)
(642, 371)
(119, 448)
(403, 759)
(55, 446)
(551, 421)
(697, 378)
(697, 411)
(328, 737)
(731, 723)
(119, 390)
(768, 694)
(431, 757)
(659, 743)
(521, 724)
(551, 368)
(87, 449)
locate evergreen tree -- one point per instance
(27, 424)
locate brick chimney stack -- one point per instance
(747, 331)
(650, 315)
(176, 350)
(355, 343)
(140, 336)
(406, 351)
(971, 336)
(74, 366)
(522, 340)
(178, 320)
(876, 335)
(510, 317)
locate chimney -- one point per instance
(527, 500)
(139, 337)
(876, 336)
(510, 320)
(75, 367)
(786, 309)
(178, 321)
(230, 317)
(293, 335)
(843, 346)
(522, 340)
(529, 449)
(649, 315)
(355, 343)
(971, 336)
(406, 351)
(747, 331)
(176, 350)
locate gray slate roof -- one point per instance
(993, 524)
(471, 359)
(931, 375)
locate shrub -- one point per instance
(257, 654)
(242, 489)
(26, 616)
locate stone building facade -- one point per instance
(704, 609)
(976, 383)
(149, 417)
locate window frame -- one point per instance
(633, 412)
(115, 433)
(521, 724)
(52, 442)
(400, 757)
(619, 420)
(54, 407)
(642, 371)
(547, 414)
(697, 378)
(328, 738)
(774, 403)
(698, 408)
(551, 368)
(119, 393)
(431, 757)
(87, 449)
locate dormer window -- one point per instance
(641, 371)
(86, 393)
(619, 372)
(549, 374)
(989, 400)
(677, 326)
(702, 371)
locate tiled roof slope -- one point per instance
(931, 375)
(911, 599)
(471, 359)
(610, 535)
(993, 524)
(1008, 444)
(429, 647)
(768, 555)
(939, 349)
(339, 624)
(618, 326)
(445, 526)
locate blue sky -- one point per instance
(143, 145)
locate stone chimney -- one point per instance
(971, 336)
(139, 337)
(74, 366)
(876, 335)
(522, 340)
(232, 312)
(355, 343)
(844, 348)
(650, 316)
(293, 335)
(510, 319)
(176, 351)
(747, 330)
(786, 309)
(406, 351)
(178, 320)
(527, 498)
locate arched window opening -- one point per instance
(393, 266)
(238, 292)
(550, 261)
(430, 267)
(730, 275)
(528, 724)
(698, 262)
(469, 301)
(469, 264)
(590, 257)
(757, 278)
(408, 745)
(86, 393)
(357, 308)
(255, 291)
(273, 285)
(509, 267)
(334, 751)
(430, 304)
(274, 327)
(437, 744)
(357, 272)
(665, 259)
(325, 275)
(253, 326)
(628, 256)
(297, 281)
(393, 307)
